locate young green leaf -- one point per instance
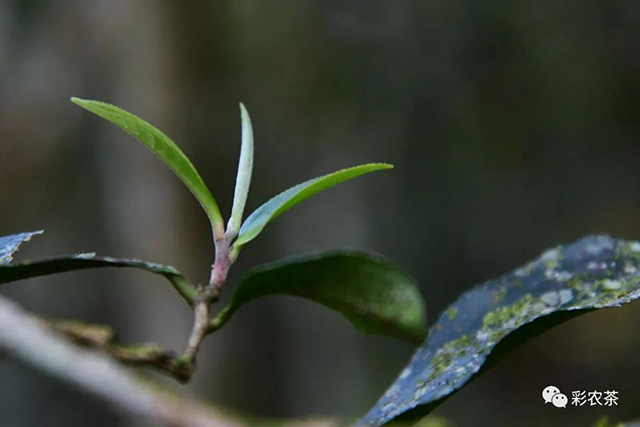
(35, 268)
(243, 179)
(164, 148)
(492, 319)
(371, 292)
(284, 201)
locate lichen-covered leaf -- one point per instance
(371, 292)
(490, 320)
(163, 147)
(34, 268)
(284, 201)
(10, 244)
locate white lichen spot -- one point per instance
(405, 374)
(612, 284)
(596, 265)
(635, 247)
(550, 298)
(633, 295)
(482, 336)
(388, 406)
(630, 269)
(599, 244)
(509, 324)
(87, 255)
(547, 310)
(566, 295)
(559, 276)
(550, 255)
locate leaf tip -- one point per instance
(30, 234)
(83, 103)
(246, 120)
(375, 166)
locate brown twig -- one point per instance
(31, 340)
(102, 337)
(201, 320)
(207, 295)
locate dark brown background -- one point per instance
(513, 126)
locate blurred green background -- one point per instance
(513, 126)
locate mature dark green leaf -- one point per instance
(492, 319)
(10, 244)
(164, 148)
(371, 292)
(284, 201)
(29, 269)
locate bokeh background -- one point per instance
(513, 126)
